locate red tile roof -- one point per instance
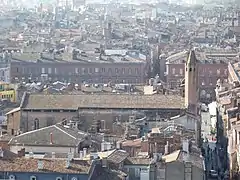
(121, 101)
(49, 165)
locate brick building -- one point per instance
(116, 67)
(211, 67)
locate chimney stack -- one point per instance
(238, 17)
(81, 155)
(119, 145)
(53, 155)
(51, 138)
(1, 152)
(185, 145)
(21, 153)
(84, 152)
(166, 149)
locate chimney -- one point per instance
(103, 125)
(1, 152)
(67, 163)
(238, 116)
(235, 102)
(185, 145)
(104, 162)
(40, 165)
(81, 155)
(166, 148)
(53, 155)
(84, 152)
(238, 18)
(51, 138)
(119, 145)
(21, 153)
(31, 154)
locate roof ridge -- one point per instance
(30, 132)
(64, 132)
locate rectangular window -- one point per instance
(49, 70)
(90, 70)
(83, 70)
(123, 70)
(76, 70)
(181, 71)
(55, 70)
(137, 172)
(136, 71)
(43, 70)
(96, 70)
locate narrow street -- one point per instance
(214, 147)
(209, 146)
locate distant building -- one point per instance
(211, 67)
(8, 92)
(84, 109)
(117, 66)
(53, 168)
(56, 138)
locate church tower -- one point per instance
(191, 84)
(191, 94)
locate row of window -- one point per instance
(93, 71)
(49, 70)
(7, 96)
(12, 177)
(203, 72)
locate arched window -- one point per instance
(36, 124)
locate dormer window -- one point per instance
(12, 177)
(33, 178)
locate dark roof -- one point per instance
(7, 155)
(61, 136)
(194, 158)
(121, 101)
(110, 174)
(118, 156)
(49, 165)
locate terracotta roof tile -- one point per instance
(102, 101)
(118, 156)
(49, 165)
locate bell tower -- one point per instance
(191, 84)
(191, 94)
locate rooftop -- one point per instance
(112, 101)
(210, 57)
(61, 136)
(49, 165)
